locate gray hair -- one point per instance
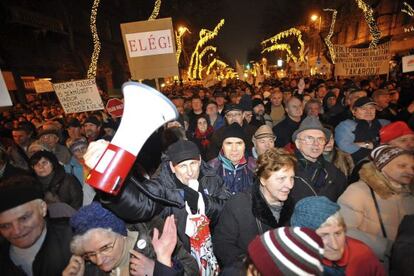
(76, 245)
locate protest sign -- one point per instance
(79, 96)
(43, 86)
(5, 99)
(408, 64)
(115, 107)
(150, 48)
(362, 61)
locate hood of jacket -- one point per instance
(380, 184)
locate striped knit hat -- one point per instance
(287, 251)
(384, 154)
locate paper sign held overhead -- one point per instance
(43, 86)
(362, 62)
(5, 99)
(150, 48)
(79, 96)
(408, 64)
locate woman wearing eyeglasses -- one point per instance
(102, 245)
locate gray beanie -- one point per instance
(313, 211)
(311, 122)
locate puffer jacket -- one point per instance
(141, 201)
(360, 214)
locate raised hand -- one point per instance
(76, 267)
(140, 265)
(165, 245)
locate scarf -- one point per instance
(228, 165)
(203, 136)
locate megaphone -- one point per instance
(145, 110)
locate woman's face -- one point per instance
(202, 125)
(277, 187)
(43, 167)
(103, 249)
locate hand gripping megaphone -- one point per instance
(145, 110)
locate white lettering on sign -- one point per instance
(149, 43)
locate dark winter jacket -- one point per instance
(63, 187)
(319, 178)
(52, 257)
(284, 130)
(141, 201)
(244, 216)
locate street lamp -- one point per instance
(313, 18)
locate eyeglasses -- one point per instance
(310, 140)
(104, 250)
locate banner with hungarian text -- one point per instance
(362, 61)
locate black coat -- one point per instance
(53, 256)
(141, 201)
(244, 216)
(334, 182)
(284, 131)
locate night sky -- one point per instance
(248, 22)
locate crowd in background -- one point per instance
(333, 156)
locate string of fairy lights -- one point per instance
(178, 36)
(327, 39)
(195, 67)
(408, 9)
(285, 47)
(372, 24)
(156, 10)
(91, 74)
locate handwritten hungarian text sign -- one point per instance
(362, 61)
(79, 96)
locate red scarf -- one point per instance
(202, 137)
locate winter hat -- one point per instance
(393, 131)
(78, 144)
(48, 131)
(246, 103)
(384, 154)
(311, 122)
(95, 216)
(287, 251)
(74, 123)
(363, 101)
(256, 102)
(232, 107)
(235, 131)
(183, 150)
(18, 191)
(263, 131)
(313, 211)
(92, 120)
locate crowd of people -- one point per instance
(300, 176)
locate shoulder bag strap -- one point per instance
(378, 212)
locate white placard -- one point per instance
(5, 99)
(149, 43)
(408, 64)
(79, 96)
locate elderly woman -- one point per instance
(265, 206)
(57, 185)
(343, 255)
(102, 244)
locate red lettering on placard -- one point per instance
(151, 42)
(161, 42)
(141, 47)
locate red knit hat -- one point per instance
(287, 251)
(393, 131)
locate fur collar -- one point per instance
(262, 212)
(379, 183)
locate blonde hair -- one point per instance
(335, 219)
(273, 160)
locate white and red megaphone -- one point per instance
(145, 110)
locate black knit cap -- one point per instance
(16, 191)
(233, 131)
(183, 150)
(231, 107)
(93, 120)
(256, 102)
